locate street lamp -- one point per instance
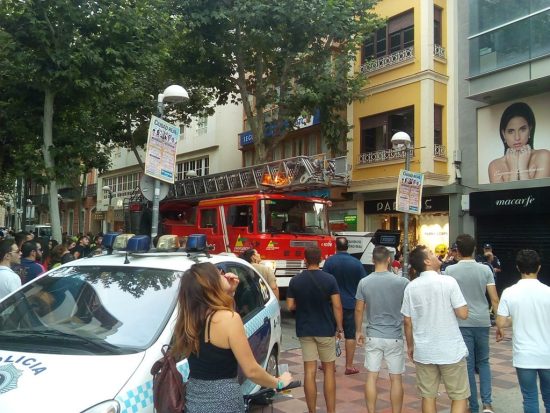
(172, 94)
(107, 189)
(400, 140)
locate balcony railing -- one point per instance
(383, 155)
(439, 51)
(401, 56)
(440, 151)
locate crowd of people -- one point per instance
(440, 319)
(24, 256)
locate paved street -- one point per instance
(350, 398)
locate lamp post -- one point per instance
(107, 189)
(172, 94)
(400, 139)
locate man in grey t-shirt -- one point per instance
(381, 293)
(474, 280)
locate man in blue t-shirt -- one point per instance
(348, 271)
(315, 297)
(30, 252)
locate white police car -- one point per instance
(83, 337)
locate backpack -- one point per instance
(168, 385)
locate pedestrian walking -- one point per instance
(475, 280)
(348, 271)
(9, 255)
(431, 304)
(526, 307)
(381, 293)
(315, 297)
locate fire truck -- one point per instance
(267, 207)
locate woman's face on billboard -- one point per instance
(516, 133)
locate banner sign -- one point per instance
(439, 203)
(409, 192)
(160, 159)
(511, 202)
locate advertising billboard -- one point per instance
(513, 140)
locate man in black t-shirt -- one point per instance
(315, 297)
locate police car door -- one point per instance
(251, 299)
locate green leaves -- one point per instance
(296, 55)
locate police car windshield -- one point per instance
(120, 310)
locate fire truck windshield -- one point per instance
(293, 217)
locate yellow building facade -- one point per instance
(409, 89)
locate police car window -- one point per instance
(98, 310)
(248, 296)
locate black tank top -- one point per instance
(212, 363)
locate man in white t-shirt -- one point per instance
(431, 304)
(526, 307)
(9, 255)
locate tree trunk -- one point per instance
(47, 135)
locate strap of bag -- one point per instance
(317, 284)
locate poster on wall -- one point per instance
(513, 140)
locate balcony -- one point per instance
(440, 151)
(384, 62)
(439, 52)
(383, 155)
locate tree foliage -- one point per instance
(64, 66)
(293, 55)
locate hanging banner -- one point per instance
(409, 192)
(160, 159)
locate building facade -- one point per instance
(505, 72)
(410, 68)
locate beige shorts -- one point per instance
(454, 376)
(391, 350)
(318, 348)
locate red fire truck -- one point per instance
(247, 208)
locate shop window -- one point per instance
(377, 130)
(397, 35)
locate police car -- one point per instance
(83, 337)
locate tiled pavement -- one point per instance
(350, 389)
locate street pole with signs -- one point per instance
(160, 158)
(409, 192)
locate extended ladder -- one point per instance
(291, 174)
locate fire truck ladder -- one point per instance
(291, 174)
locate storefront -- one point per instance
(512, 220)
(430, 228)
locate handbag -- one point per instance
(168, 385)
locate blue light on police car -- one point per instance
(196, 242)
(138, 243)
(109, 239)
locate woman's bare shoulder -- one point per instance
(226, 316)
(542, 154)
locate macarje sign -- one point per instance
(409, 192)
(160, 159)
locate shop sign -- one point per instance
(388, 206)
(351, 222)
(521, 201)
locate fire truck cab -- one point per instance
(279, 226)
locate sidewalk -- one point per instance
(350, 389)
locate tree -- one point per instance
(75, 56)
(293, 55)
